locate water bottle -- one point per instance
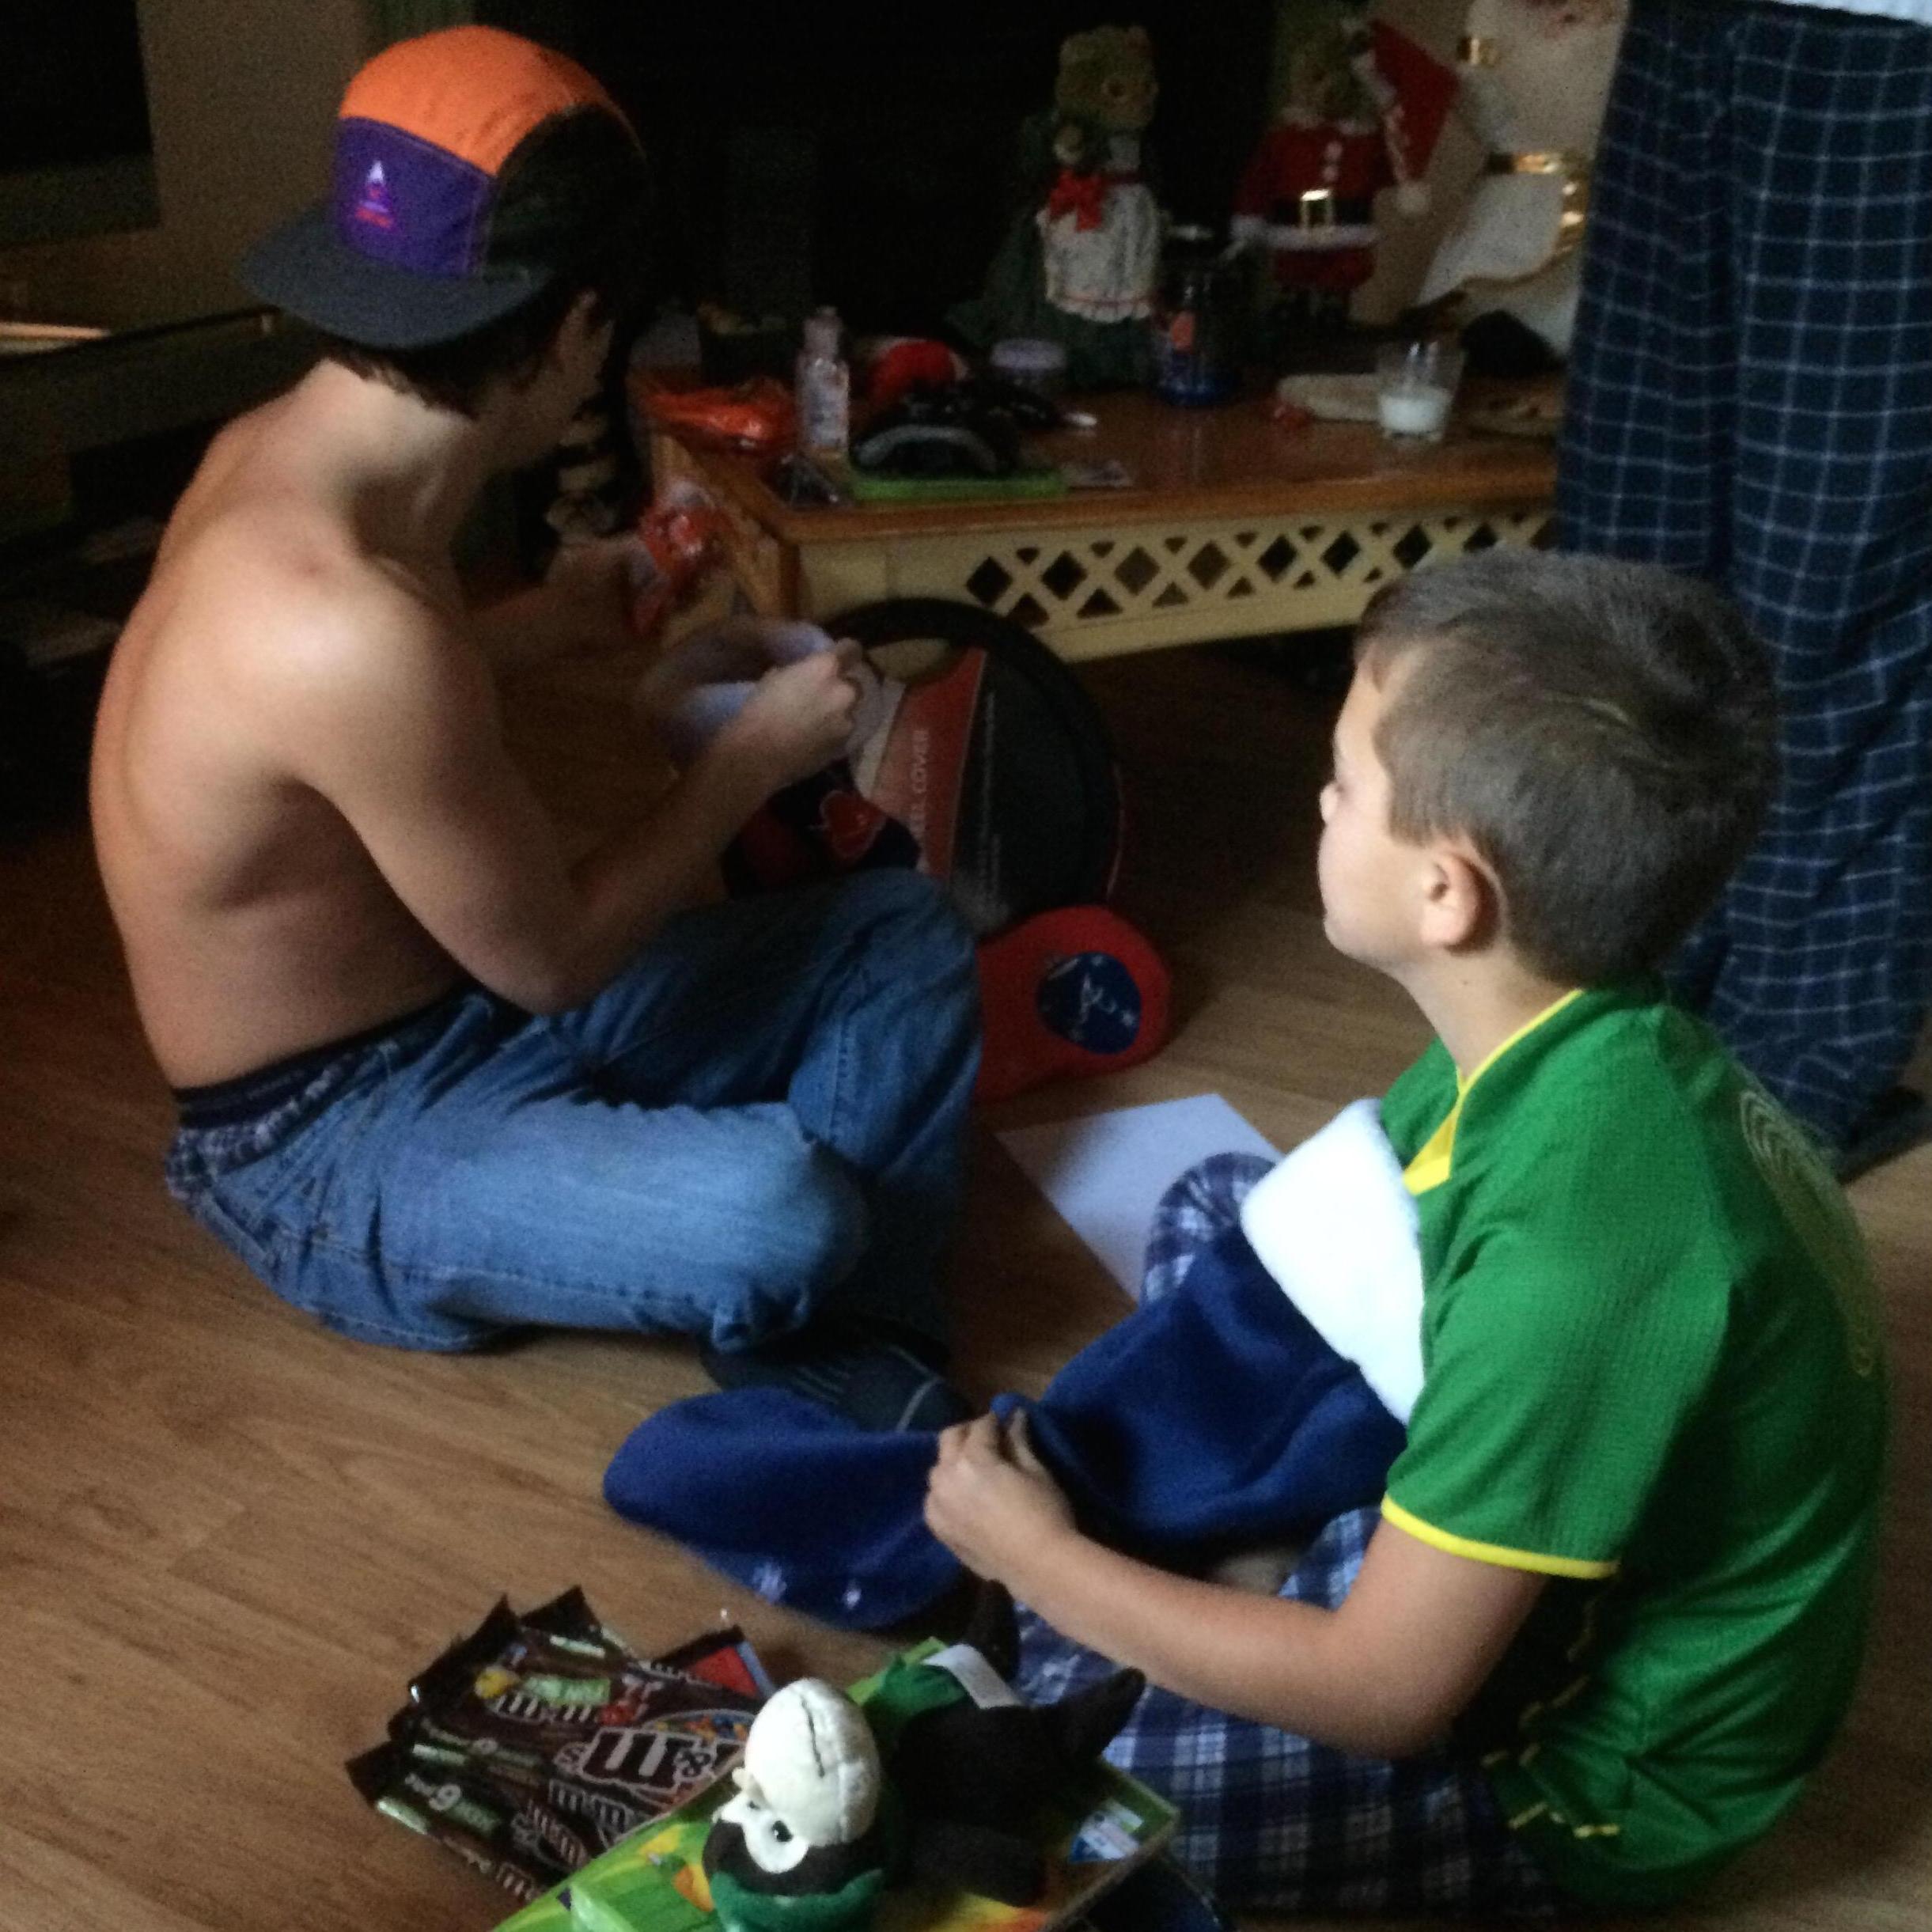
(824, 388)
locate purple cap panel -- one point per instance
(402, 201)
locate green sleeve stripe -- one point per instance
(1392, 1512)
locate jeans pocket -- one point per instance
(257, 1240)
(263, 1207)
(289, 1183)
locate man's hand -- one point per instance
(582, 607)
(990, 1499)
(797, 720)
(589, 588)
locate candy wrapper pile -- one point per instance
(535, 1743)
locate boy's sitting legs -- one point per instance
(1200, 1206)
(1273, 1823)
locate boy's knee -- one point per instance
(1213, 1189)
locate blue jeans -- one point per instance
(764, 1112)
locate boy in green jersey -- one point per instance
(1610, 1611)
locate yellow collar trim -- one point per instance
(1430, 1168)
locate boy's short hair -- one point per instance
(1604, 733)
(481, 184)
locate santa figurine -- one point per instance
(1535, 75)
(1365, 106)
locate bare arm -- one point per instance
(393, 717)
(580, 608)
(1384, 1674)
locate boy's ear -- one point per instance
(1462, 902)
(579, 325)
(568, 340)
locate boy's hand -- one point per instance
(798, 719)
(990, 1499)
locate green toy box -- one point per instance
(1095, 1832)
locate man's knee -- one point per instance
(805, 1223)
(911, 903)
(912, 921)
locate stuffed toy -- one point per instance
(936, 1779)
(1534, 76)
(1082, 261)
(1363, 108)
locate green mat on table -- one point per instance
(1041, 481)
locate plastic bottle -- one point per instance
(824, 388)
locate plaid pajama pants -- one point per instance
(1270, 1821)
(1751, 401)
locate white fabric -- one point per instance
(1285, 238)
(1918, 10)
(974, 1675)
(1506, 230)
(1544, 95)
(1106, 273)
(1335, 1225)
(702, 682)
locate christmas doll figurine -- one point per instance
(1081, 263)
(1363, 107)
(1535, 75)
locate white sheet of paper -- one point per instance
(1106, 1172)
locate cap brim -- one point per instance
(304, 267)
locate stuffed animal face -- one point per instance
(1327, 45)
(1106, 80)
(770, 1844)
(811, 1775)
(800, 1827)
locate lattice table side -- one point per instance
(1097, 590)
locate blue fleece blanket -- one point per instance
(1214, 1417)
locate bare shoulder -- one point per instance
(318, 637)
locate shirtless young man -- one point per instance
(436, 1082)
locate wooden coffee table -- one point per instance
(1235, 526)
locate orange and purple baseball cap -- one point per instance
(471, 166)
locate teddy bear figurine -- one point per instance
(1534, 76)
(1081, 263)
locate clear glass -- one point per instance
(1414, 384)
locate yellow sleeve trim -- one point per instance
(1392, 1512)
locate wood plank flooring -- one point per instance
(227, 1538)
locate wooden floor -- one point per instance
(227, 1539)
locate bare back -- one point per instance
(256, 922)
(306, 816)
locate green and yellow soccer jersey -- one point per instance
(1651, 1361)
